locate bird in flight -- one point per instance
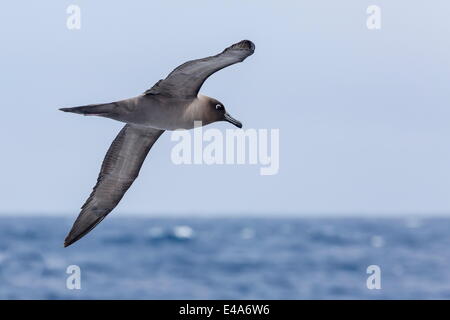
(171, 104)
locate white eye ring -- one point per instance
(219, 107)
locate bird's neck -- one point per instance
(196, 110)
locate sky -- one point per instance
(363, 115)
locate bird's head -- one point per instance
(215, 111)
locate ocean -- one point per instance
(235, 258)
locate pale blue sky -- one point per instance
(363, 115)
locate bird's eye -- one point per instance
(219, 107)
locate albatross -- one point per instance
(172, 103)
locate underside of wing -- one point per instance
(119, 169)
(187, 79)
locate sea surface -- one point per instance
(236, 258)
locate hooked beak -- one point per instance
(232, 120)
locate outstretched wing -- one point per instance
(119, 169)
(185, 81)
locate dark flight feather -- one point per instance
(119, 170)
(186, 80)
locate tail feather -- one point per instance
(92, 109)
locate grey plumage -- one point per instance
(93, 109)
(172, 103)
(119, 169)
(187, 79)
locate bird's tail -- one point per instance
(102, 109)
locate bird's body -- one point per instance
(154, 111)
(171, 104)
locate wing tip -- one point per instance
(243, 45)
(82, 226)
(69, 240)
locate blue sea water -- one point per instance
(236, 258)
